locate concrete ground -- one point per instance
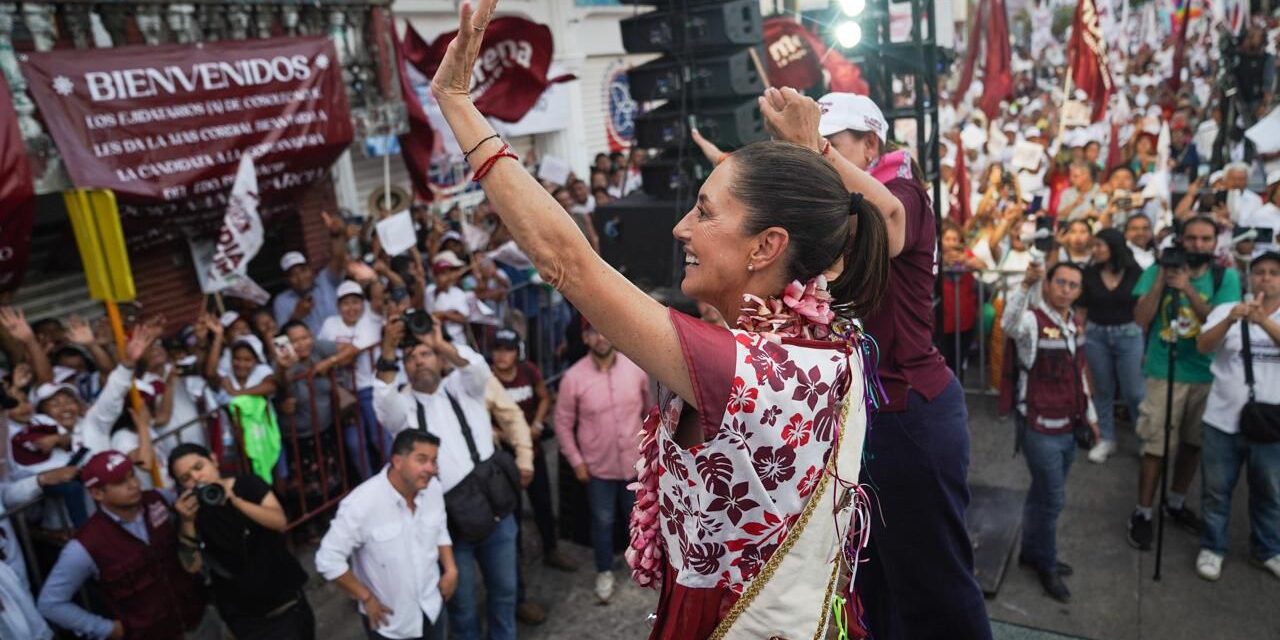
(1114, 595)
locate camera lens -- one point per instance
(211, 495)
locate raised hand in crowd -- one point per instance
(79, 332)
(15, 324)
(22, 376)
(1035, 272)
(144, 335)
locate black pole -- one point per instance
(1168, 427)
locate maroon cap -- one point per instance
(108, 467)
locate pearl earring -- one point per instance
(751, 267)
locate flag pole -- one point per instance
(1066, 97)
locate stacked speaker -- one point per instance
(706, 78)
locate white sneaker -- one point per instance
(1209, 565)
(1101, 451)
(604, 585)
(1272, 565)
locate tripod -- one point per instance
(1174, 309)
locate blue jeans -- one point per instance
(1049, 459)
(1221, 458)
(607, 499)
(497, 557)
(1114, 353)
(917, 582)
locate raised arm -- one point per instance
(637, 324)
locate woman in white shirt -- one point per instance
(1225, 449)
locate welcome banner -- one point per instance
(165, 127)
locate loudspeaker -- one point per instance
(731, 24)
(731, 124)
(635, 238)
(724, 76)
(672, 173)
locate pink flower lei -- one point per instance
(803, 311)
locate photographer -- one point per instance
(1226, 446)
(1186, 281)
(232, 529)
(479, 502)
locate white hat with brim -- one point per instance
(841, 111)
(291, 260)
(49, 390)
(350, 288)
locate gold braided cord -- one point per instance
(766, 572)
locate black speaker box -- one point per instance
(729, 24)
(635, 237)
(728, 124)
(723, 76)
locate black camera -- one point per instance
(1173, 258)
(417, 323)
(211, 495)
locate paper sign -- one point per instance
(396, 233)
(1075, 114)
(554, 170)
(1027, 155)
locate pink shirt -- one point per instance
(607, 409)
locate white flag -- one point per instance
(241, 234)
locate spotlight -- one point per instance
(848, 34)
(853, 8)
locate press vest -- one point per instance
(144, 584)
(1055, 391)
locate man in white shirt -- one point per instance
(1266, 216)
(1240, 200)
(453, 408)
(393, 526)
(445, 299)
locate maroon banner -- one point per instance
(164, 127)
(17, 196)
(511, 69)
(1087, 57)
(997, 72)
(416, 145)
(797, 57)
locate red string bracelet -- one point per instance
(504, 152)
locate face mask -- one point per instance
(1197, 260)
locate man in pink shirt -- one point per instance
(598, 414)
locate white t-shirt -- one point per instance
(367, 332)
(1229, 393)
(454, 299)
(1144, 257)
(1267, 216)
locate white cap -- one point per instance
(1031, 132)
(447, 260)
(229, 318)
(451, 235)
(842, 111)
(1217, 175)
(1273, 178)
(291, 260)
(350, 288)
(49, 390)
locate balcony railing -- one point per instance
(361, 31)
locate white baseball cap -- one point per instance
(842, 111)
(49, 390)
(229, 318)
(291, 260)
(350, 288)
(1273, 178)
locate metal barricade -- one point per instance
(989, 287)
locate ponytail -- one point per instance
(861, 286)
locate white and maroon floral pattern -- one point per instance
(724, 506)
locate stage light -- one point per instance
(848, 34)
(853, 8)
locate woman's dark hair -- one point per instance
(789, 186)
(183, 450)
(1121, 260)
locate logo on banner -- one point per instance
(621, 126)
